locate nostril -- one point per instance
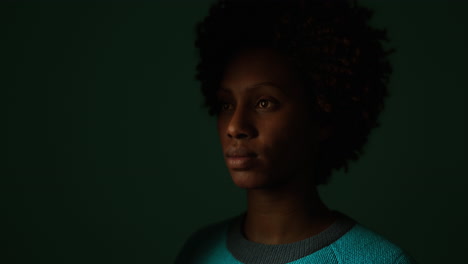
(238, 135)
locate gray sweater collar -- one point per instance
(255, 253)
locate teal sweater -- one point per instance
(345, 241)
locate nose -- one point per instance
(240, 125)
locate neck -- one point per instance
(286, 215)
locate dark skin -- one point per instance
(265, 112)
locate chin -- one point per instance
(247, 179)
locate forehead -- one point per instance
(257, 68)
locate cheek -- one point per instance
(221, 128)
(288, 143)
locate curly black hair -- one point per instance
(338, 55)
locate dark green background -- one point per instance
(110, 159)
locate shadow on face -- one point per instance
(267, 132)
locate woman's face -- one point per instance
(267, 134)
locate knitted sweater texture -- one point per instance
(345, 241)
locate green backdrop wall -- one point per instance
(109, 157)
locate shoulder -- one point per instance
(362, 245)
(210, 238)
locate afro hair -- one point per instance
(339, 57)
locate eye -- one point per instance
(265, 103)
(224, 106)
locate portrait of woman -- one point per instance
(234, 131)
(296, 88)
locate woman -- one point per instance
(296, 87)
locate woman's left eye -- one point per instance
(265, 103)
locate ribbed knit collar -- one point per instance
(255, 253)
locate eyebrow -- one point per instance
(257, 85)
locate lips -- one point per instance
(240, 158)
(239, 152)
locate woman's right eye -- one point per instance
(225, 106)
